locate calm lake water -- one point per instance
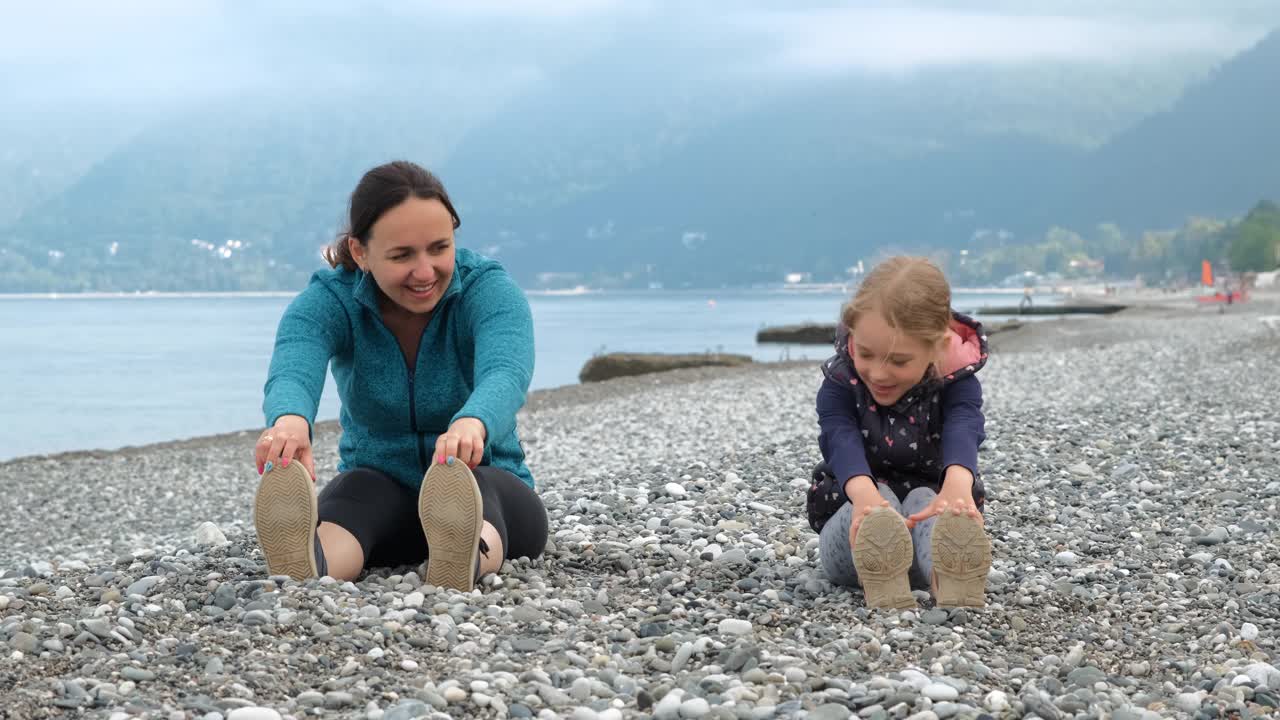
(89, 373)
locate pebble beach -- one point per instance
(1133, 472)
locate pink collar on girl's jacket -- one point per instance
(964, 348)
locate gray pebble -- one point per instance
(137, 674)
(24, 642)
(1215, 536)
(144, 586)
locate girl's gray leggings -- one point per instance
(837, 556)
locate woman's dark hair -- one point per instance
(381, 189)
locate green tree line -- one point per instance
(1250, 244)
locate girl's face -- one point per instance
(889, 362)
(410, 253)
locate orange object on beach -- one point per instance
(1206, 273)
(1221, 297)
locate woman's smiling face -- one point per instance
(410, 254)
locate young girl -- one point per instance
(431, 347)
(898, 501)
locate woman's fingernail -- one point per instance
(259, 469)
(284, 462)
(267, 467)
(450, 460)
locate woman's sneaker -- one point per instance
(452, 513)
(961, 561)
(882, 554)
(284, 513)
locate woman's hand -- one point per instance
(956, 496)
(289, 439)
(464, 441)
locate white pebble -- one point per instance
(414, 599)
(253, 713)
(455, 695)
(1249, 631)
(209, 534)
(409, 665)
(1264, 675)
(996, 701)
(795, 675)
(694, 708)
(733, 626)
(1190, 702)
(940, 691)
(1075, 656)
(913, 677)
(1081, 470)
(675, 490)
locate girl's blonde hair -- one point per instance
(912, 295)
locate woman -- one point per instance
(432, 350)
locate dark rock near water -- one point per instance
(804, 334)
(615, 365)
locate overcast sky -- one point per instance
(148, 49)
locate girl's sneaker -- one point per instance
(452, 513)
(961, 561)
(882, 554)
(284, 514)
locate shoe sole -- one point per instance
(961, 561)
(882, 554)
(285, 517)
(452, 513)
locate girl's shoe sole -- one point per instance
(882, 554)
(961, 561)
(452, 513)
(284, 513)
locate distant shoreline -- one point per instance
(1042, 335)
(542, 398)
(566, 292)
(147, 295)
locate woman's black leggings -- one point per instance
(382, 514)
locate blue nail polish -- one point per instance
(267, 467)
(450, 460)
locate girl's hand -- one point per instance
(464, 441)
(865, 497)
(956, 497)
(289, 439)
